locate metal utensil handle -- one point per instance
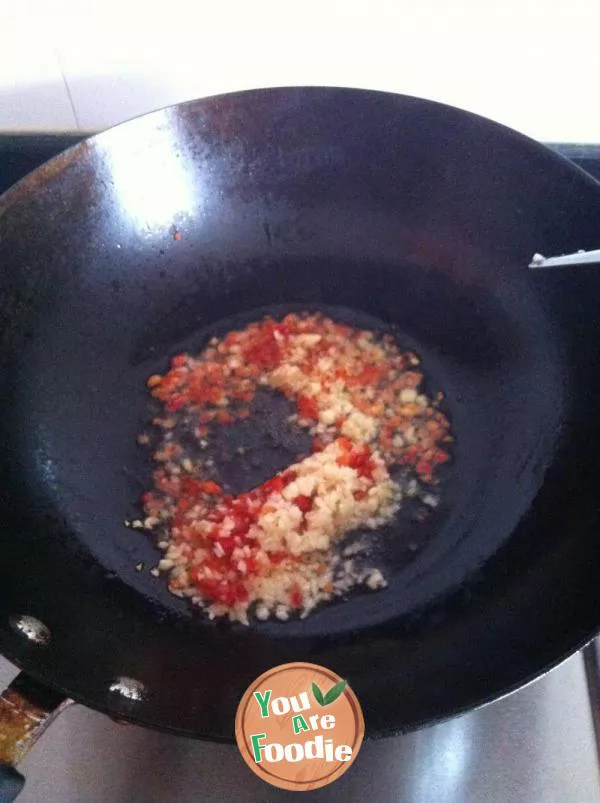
(27, 708)
(566, 260)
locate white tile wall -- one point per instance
(32, 87)
(531, 64)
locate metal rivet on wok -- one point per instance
(31, 628)
(129, 688)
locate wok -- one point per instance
(394, 211)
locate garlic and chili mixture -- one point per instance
(275, 550)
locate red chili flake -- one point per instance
(241, 525)
(210, 487)
(296, 597)
(241, 592)
(225, 593)
(371, 375)
(227, 544)
(307, 407)
(274, 485)
(424, 468)
(265, 351)
(305, 503)
(345, 444)
(176, 402)
(206, 585)
(190, 486)
(224, 417)
(361, 461)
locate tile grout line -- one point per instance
(68, 89)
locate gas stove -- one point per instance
(537, 745)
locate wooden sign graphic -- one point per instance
(299, 726)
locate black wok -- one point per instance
(391, 210)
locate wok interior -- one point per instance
(375, 211)
(503, 395)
